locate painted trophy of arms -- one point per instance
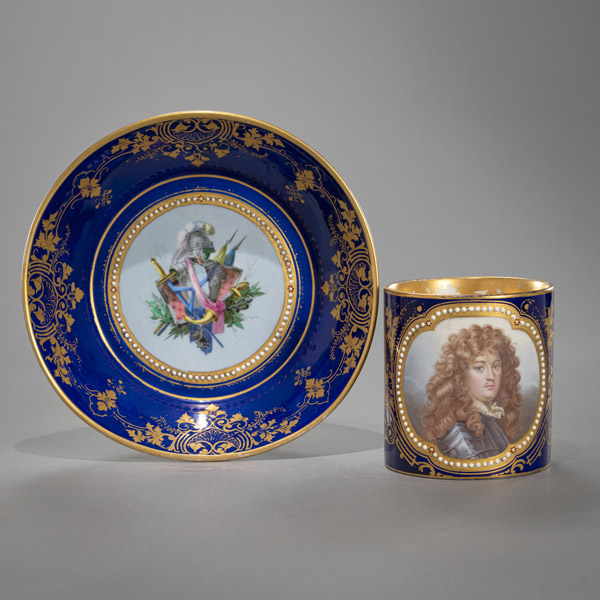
(202, 293)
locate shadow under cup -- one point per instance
(468, 376)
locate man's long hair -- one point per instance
(447, 397)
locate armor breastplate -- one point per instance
(461, 442)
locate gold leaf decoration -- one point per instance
(51, 298)
(154, 435)
(253, 139)
(105, 402)
(549, 325)
(185, 418)
(89, 187)
(305, 180)
(211, 431)
(60, 359)
(314, 388)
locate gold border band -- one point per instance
(47, 368)
(281, 247)
(159, 374)
(469, 287)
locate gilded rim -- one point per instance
(216, 115)
(537, 287)
(473, 478)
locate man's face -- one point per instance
(484, 376)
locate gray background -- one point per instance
(469, 133)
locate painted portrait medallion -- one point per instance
(472, 386)
(469, 380)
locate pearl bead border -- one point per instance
(276, 337)
(428, 322)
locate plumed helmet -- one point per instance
(183, 237)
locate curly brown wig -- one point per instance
(447, 397)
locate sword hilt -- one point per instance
(164, 276)
(207, 318)
(237, 289)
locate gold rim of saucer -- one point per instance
(469, 287)
(348, 196)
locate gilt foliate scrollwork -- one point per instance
(350, 293)
(196, 140)
(211, 431)
(350, 289)
(52, 298)
(549, 325)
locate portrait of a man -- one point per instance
(474, 395)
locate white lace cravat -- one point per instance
(490, 411)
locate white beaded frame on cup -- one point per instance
(516, 451)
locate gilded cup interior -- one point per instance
(469, 287)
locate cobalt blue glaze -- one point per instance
(81, 311)
(526, 322)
